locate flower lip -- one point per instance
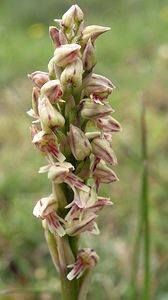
(86, 259)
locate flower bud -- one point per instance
(79, 143)
(72, 17)
(98, 87)
(108, 124)
(35, 96)
(89, 56)
(52, 89)
(92, 32)
(103, 174)
(72, 74)
(49, 115)
(39, 78)
(57, 36)
(101, 148)
(92, 110)
(35, 99)
(54, 35)
(51, 68)
(66, 54)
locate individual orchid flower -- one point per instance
(83, 198)
(53, 90)
(92, 32)
(79, 144)
(86, 259)
(103, 174)
(72, 74)
(62, 172)
(80, 223)
(57, 36)
(98, 88)
(33, 112)
(39, 78)
(50, 117)
(46, 143)
(83, 218)
(108, 124)
(57, 172)
(72, 18)
(66, 54)
(45, 208)
(92, 110)
(101, 148)
(89, 56)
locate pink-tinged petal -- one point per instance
(73, 213)
(45, 206)
(102, 149)
(98, 88)
(45, 209)
(77, 271)
(93, 229)
(54, 35)
(92, 32)
(32, 114)
(103, 174)
(75, 182)
(53, 90)
(44, 169)
(54, 224)
(83, 198)
(100, 204)
(108, 124)
(66, 54)
(92, 110)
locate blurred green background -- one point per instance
(134, 55)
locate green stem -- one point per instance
(84, 285)
(63, 250)
(145, 207)
(69, 288)
(52, 245)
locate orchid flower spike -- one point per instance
(73, 128)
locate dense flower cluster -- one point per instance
(73, 129)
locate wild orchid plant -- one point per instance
(73, 129)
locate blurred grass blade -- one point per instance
(143, 220)
(145, 204)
